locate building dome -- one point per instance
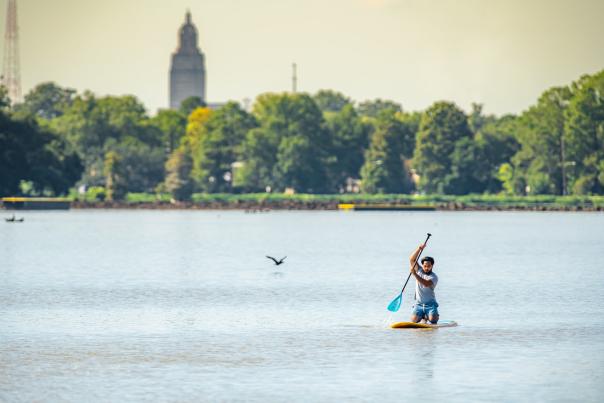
(188, 36)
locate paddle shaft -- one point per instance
(415, 264)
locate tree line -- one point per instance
(57, 139)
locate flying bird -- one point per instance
(277, 262)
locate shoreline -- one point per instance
(252, 206)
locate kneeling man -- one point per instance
(425, 306)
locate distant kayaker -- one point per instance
(425, 306)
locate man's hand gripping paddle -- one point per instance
(396, 303)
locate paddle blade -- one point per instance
(396, 303)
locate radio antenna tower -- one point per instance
(11, 76)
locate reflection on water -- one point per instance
(423, 348)
(184, 306)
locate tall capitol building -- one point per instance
(187, 71)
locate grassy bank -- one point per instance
(328, 202)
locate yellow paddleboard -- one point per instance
(413, 325)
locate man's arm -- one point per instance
(414, 266)
(414, 255)
(422, 281)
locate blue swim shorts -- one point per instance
(423, 311)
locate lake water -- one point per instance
(184, 306)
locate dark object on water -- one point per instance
(14, 219)
(277, 262)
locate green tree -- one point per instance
(95, 125)
(350, 139)
(477, 120)
(476, 161)
(259, 156)
(497, 144)
(331, 101)
(469, 169)
(172, 125)
(30, 153)
(219, 147)
(114, 184)
(91, 121)
(584, 135)
(289, 148)
(140, 166)
(408, 131)
(375, 107)
(189, 104)
(541, 159)
(385, 169)
(45, 101)
(509, 183)
(178, 177)
(441, 127)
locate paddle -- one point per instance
(396, 303)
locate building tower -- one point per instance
(11, 75)
(187, 72)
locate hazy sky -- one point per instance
(502, 53)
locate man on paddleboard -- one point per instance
(425, 306)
